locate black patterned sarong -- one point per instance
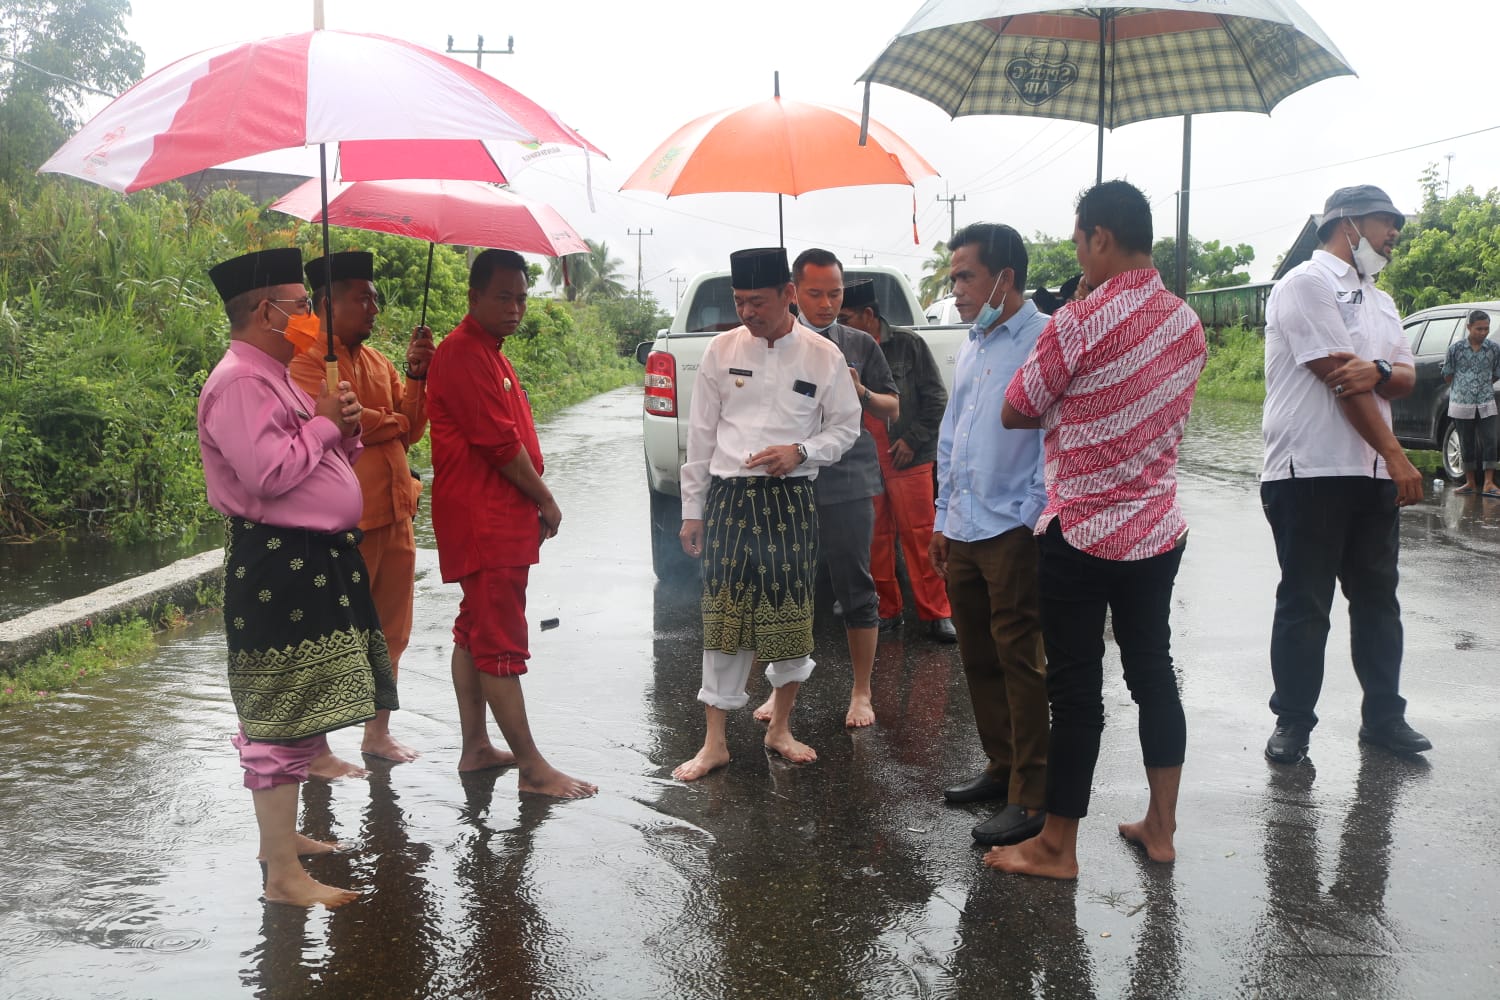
(760, 553)
(306, 653)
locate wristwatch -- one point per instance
(801, 452)
(1384, 367)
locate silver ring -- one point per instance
(1338, 390)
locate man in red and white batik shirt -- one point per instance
(1111, 380)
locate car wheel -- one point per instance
(667, 558)
(1451, 451)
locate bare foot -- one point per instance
(763, 714)
(385, 746)
(791, 748)
(1032, 857)
(485, 758)
(1157, 843)
(307, 847)
(331, 768)
(307, 891)
(548, 780)
(861, 712)
(703, 762)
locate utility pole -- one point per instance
(1450, 175)
(863, 258)
(479, 51)
(951, 199)
(679, 282)
(640, 236)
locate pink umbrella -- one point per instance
(460, 212)
(235, 101)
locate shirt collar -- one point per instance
(1021, 317)
(1337, 265)
(254, 356)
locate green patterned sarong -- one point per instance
(760, 554)
(306, 653)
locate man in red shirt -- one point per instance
(491, 511)
(1112, 380)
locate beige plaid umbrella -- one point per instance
(1105, 63)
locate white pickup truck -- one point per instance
(671, 362)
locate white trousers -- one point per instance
(725, 676)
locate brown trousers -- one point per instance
(992, 587)
(390, 554)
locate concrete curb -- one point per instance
(27, 637)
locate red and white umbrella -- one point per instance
(291, 91)
(288, 92)
(465, 213)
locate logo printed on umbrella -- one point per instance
(100, 156)
(1278, 46)
(665, 163)
(1044, 72)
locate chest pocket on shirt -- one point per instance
(900, 371)
(800, 397)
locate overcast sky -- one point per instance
(628, 74)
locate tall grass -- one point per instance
(1236, 366)
(109, 325)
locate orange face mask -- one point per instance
(304, 332)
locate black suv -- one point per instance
(1421, 419)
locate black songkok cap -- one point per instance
(763, 267)
(262, 269)
(859, 294)
(351, 265)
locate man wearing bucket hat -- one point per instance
(1335, 477)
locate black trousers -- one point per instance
(1476, 439)
(1076, 590)
(1344, 528)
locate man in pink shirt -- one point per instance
(1111, 380)
(306, 653)
(491, 511)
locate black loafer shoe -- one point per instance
(890, 624)
(942, 630)
(1010, 825)
(983, 788)
(1395, 736)
(1288, 743)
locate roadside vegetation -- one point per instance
(82, 652)
(109, 325)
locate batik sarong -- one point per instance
(306, 653)
(760, 554)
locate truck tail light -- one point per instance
(661, 384)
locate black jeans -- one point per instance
(1076, 589)
(1476, 439)
(1344, 528)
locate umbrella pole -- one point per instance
(1182, 207)
(1103, 38)
(330, 360)
(427, 283)
(780, 227)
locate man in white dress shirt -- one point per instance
(773, 402)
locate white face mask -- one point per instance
(1367, 260)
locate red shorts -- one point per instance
(491, 623)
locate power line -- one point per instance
(58, 76)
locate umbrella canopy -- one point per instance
(235, 101)
(1105, 63)
(459, 212)
(777, 147)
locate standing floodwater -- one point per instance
(127, 848)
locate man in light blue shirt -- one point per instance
(991, 490)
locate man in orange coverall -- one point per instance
(394, 417)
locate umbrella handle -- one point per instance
(427, 283)
(331, 360)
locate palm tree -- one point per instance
(592, 276)
(934, 284)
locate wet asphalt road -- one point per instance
(127, 844)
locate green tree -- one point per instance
(56, 52)
(1449, 252)
(1209, 265)
(1051, 261)
(592, 276)
(934, 284)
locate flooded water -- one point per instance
(127, 843)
